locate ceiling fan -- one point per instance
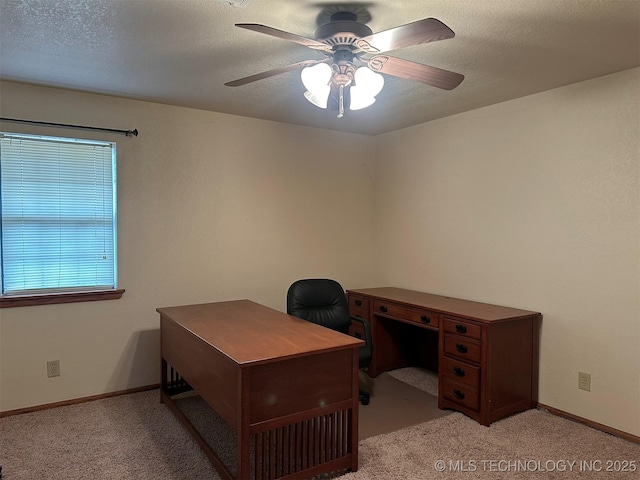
(349, 75)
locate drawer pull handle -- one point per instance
(461, 328)
(459, 371)
(425, 319)
(461, 348)
(458, 394)
(383, 309)
(358, 303)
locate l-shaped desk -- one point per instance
(486, 355)
(289, 388)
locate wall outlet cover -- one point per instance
(53, 368)
(584, 381)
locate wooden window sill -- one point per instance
(9, 301)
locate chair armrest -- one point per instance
(366, 351)
(367, 330)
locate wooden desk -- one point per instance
(486, 355)
(288, 387)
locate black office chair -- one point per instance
(324, 302)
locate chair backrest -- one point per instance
(321, 301)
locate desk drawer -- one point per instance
(460, 393)
(356, 301)
(462, 328)
(416, 315)
(461, 347)
(359, 312)
(460, 371)
(357, 330)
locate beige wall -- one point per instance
(211, 207)
(532, 203)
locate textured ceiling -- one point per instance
(181, 52)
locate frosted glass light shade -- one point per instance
(369, 80)
(319, 98)
(316, 80)
(316, 77)
(360, 101)
(367, 85)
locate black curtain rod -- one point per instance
(128, 133)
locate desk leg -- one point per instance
(353, 430)
(163, 377)
(163, 370)
(244, 414)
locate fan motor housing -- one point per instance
(342, 31)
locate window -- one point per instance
(58, 229)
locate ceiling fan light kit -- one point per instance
(363, 83)
(347, 77)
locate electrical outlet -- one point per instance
(584, 381)
(53, 368)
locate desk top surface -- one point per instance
(455, 306)
(249, 333)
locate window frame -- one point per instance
(8, 301)
(70, 294)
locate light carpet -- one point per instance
(420, 378)
(531, 445)
(136, 437)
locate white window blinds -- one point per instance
(58, 201)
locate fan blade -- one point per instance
(274, 32)
(422, 31)
(418, 72)
(271, 73)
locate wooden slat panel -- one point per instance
(305, 446)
